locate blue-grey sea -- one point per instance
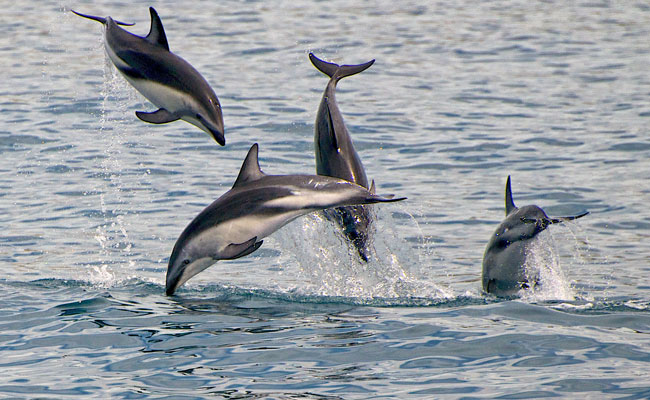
(463, 93)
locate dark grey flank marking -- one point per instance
(336, 156)
(505, 255)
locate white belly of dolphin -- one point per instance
(162, 96)
(240, 230)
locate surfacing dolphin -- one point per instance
(336, 156)
(164, 78)
(256, 206)
(505, 255)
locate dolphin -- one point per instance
(505, 254)
(257, 205)
(164, 78)
(336, 156)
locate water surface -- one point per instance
(461, 96)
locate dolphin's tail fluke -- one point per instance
(336, 71)
(100, 19)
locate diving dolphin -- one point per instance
(165, 79)
(505, 255)
(257, 205)
(336, 156)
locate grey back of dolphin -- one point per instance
(257, 205)
(336, 156)
(165, 79)
(504, 259)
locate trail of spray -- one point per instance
(112, 235)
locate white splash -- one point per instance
(329, 266)
(543, 263)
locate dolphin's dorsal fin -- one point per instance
(510, 205)
(338, 71)
(372, 187)
(157, 32)
(250, 169)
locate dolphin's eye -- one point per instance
(186, 261)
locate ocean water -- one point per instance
(462, 94)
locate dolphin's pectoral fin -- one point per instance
(161, 116)
(101, 19)
(569, 218)
(545, 222)
(237, 250)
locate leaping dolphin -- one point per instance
(336, 156)
(505, 255)
(257, 205)
(164, 78)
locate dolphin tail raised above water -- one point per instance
(338, 71)
(336, 156)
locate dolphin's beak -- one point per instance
(179, 271)
(218, 136)
(216, 131)
(174, 273)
